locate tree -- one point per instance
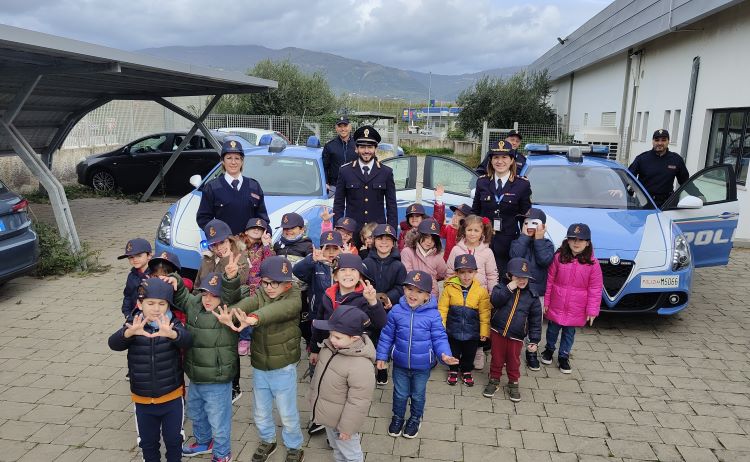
(296, 94)
(521, 98)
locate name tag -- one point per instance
(255, 196)
(672, 167)
(497, 224)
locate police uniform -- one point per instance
(502, 207)
(520, 158)
(233, 206)
(336, 153)
(364, 197)
(658, 172)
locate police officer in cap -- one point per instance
(657, 168)
(514, 138)
(232, 198)
(365, 190)
(338, 151)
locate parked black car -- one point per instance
(19, 244)
(134, 166)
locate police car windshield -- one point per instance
(589, 187)
(284, 176)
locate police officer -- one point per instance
(657, 168)
(365, 186)
(232, 198)
(514, 138)
(338, 151)
(501, 196)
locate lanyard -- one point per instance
(500, 198)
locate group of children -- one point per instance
(355, 307)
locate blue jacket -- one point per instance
(317, 276)
(539, 253)
(130, 293)
(388, 274)
(413, 338)
(336, 153)
(235, 208)
(516, 314)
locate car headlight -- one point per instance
(681, 253)
(165, 228)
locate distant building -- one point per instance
(441, 118)
(632, 69)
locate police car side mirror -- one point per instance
(690, 202)
(195, 180)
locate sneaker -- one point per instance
(314, 428)
(468, 379)
(221, 459)
(479, 359)
(515, 394)
(381, 377)
(411, 429)
(396, 426)
(195, 448)
(491, 388)
(532, 361)
(547, 356)
(564, 365)
(452, 378)
(264, 451)
(243, 347)
(236, 394)
(295, 455)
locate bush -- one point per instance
(412, 151)
(56, 258)
(456, 134)
(78, 191)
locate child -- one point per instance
(347, 227)
(415, 214)
(221, 246)
(388, 273)
(465, 308)
(164, 265)
(516, 314)
(539, 251)
(341, 390)
(153, 338)
(423, 253)
(474, 236)
(413, 337)
(449, 231)
(366, 238)
(138, 252)
(574, 293)
(274, 314)
(258, 243)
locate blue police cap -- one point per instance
(276, 268)
(535, 214)
(463, 208)
(366, 135)
(331, 238)
(501, 148)
(415, 209)
(232, 147)
(211, 283)
(347, 224)
(347, 319)
(465, 261)
(420, 280)
(660, 133)
(292, 220)
(167, 257)
(519, 267)
(256, 223)
(429, 226)
(134, 247)
(580, 231)
(216, 231)
(349, 260)
(384, 230)
(156, 288)
(343, 120)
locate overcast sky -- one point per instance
(448, 37)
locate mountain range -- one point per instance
(345, 76)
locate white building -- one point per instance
(639, 66)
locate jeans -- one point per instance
(154, 421)
(279, 385)
(210, 410)
(345, 451)
(409, 383)
(566, 339)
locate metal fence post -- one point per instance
(485, 137)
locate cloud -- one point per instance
(449, 37)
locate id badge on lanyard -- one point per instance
(497, 223)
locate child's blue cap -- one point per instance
(211, 284)
(134, 247)
(519, 267)
(465, 261)
(580, 231)
(420, 280)
(216, 231)
(156, 288)
(292, 220)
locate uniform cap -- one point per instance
(276, 268)
(580, 231)
(420, 280)
(256, 223)
(167, 257)
(331, 238)
(429, 226)
(216, 231)
(535, 214)
(501, 148)
(156, 288)
(134, 247)
(347, 224)
(349, 260)
(463, 208)
(366, 135)
(520, 267)
(292, 220)
(233, 147)
(465, 261)
(384, 230)
(347, 319)
(514, 133)
(343, 120)
(415, 209)
(211, 284)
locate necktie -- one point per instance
(366, 169)
(499, 185)
(235, 185)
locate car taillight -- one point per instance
(20, 207)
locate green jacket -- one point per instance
(213, 356)
(276, 337)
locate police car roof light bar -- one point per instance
(538, 148)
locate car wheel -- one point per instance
(103, 181)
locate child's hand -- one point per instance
(439, 190)
(265, 239)
(313, 358)
(165, 328)
(370, 294)
(347, 248)
(344, 436)
(482, 339)
(512, 285)
(224, 315)
(136, 328)
(532, 347)
(449, 360)
(385, 300)
(317, 255)
(326, 215)
(171, 280)
(382, 365)
(233, 267)
(539, 233)
(544, 309)
(244, 319)
(590, 320)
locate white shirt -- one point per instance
(229, 178)
(503, 179)
(368, 165)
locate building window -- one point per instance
(585, 119)
(608, 119)
(729, 141)
(637, 130)
(675, 126)
(644, 131)
(667, 120)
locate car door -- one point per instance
(405, 176)
(198, 158)
(709, 228)
(458, 180)
(141, 163)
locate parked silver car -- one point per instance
(19, 244)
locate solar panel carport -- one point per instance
(48, 83)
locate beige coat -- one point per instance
(212, 264)
(342, 386)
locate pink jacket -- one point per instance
(574, 291)
(433, 264)
(486, 264)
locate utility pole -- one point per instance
(429, 98)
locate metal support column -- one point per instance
(197, 125)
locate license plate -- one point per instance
(660, 282)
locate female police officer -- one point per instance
(501, 196)
(232, 198)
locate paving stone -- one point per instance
(440, 450)
(481, 453)
(477, 435)
(19, 431)
(538, 440)
(381, 444)
(633, 433)
(631, 449)
(532, 455)
(676, 436)
(11, 450)
(509, 439)
(49, 413)
(438, 431)
(43, 452)
(715, 424)
(692, 454)
(76, 436)
(586, 428)
(582, 445)
(666, 452)
(48, 433)
(74, 454)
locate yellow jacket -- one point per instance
(461, 323)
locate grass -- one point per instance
(78, 191)
(412, 151)
(56, 258)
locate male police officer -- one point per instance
(657, 169)
(365, 186)
(338, 151)
(514, 138)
